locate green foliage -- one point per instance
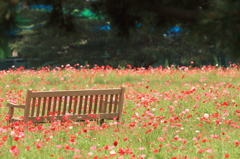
(209, 22)
(60, 37)
(7, 16)
(7, 20)
(53, 36)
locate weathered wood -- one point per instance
(95, 104)
(59, 106)
(39, 106)
(90, 105)
(33, 106)
(121, 100)
(79, 105)
(27, 106)
(11, 112)
(115, 103)
(78, 93)
(75, 104)
(104, 108)
(65, 106)
(15, 105)
(101, 104)
(70, 105)
(85, 105)
(49, 105)
(73, 117)
(54, 104)
(44, 106)
(110, 103)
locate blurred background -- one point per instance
(37, 33)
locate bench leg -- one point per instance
(10, 114)
(101, 121)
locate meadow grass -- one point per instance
(168, 113)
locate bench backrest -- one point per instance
(76, 105)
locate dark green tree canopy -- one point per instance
(216, 22)
(61, 36)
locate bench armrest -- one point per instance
(15, 106)
(11, 108)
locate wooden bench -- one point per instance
(77, 105)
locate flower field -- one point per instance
(174, 113)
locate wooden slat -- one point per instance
(101, 103)
(120, 107)
(49, 105)
(65, 106)
(74, 117)
(90, 104)
(11, 112)
(39, 106)
(104, 108)
(54, 104)
(17, 118)
(15, 105)
(75, 104)
(59, 105)
(80, 105)
(76, 93)
(95, 104)
(110, 103)
(44, 105)
(109, 116)
(115, 103)
(33, 106)
(70, 105)
(85, 105)
(27, 106)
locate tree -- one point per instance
(214, 22)
(54, 43)
(61, 37)
(7, 21)
(58, 34)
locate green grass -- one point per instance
(163, 115)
